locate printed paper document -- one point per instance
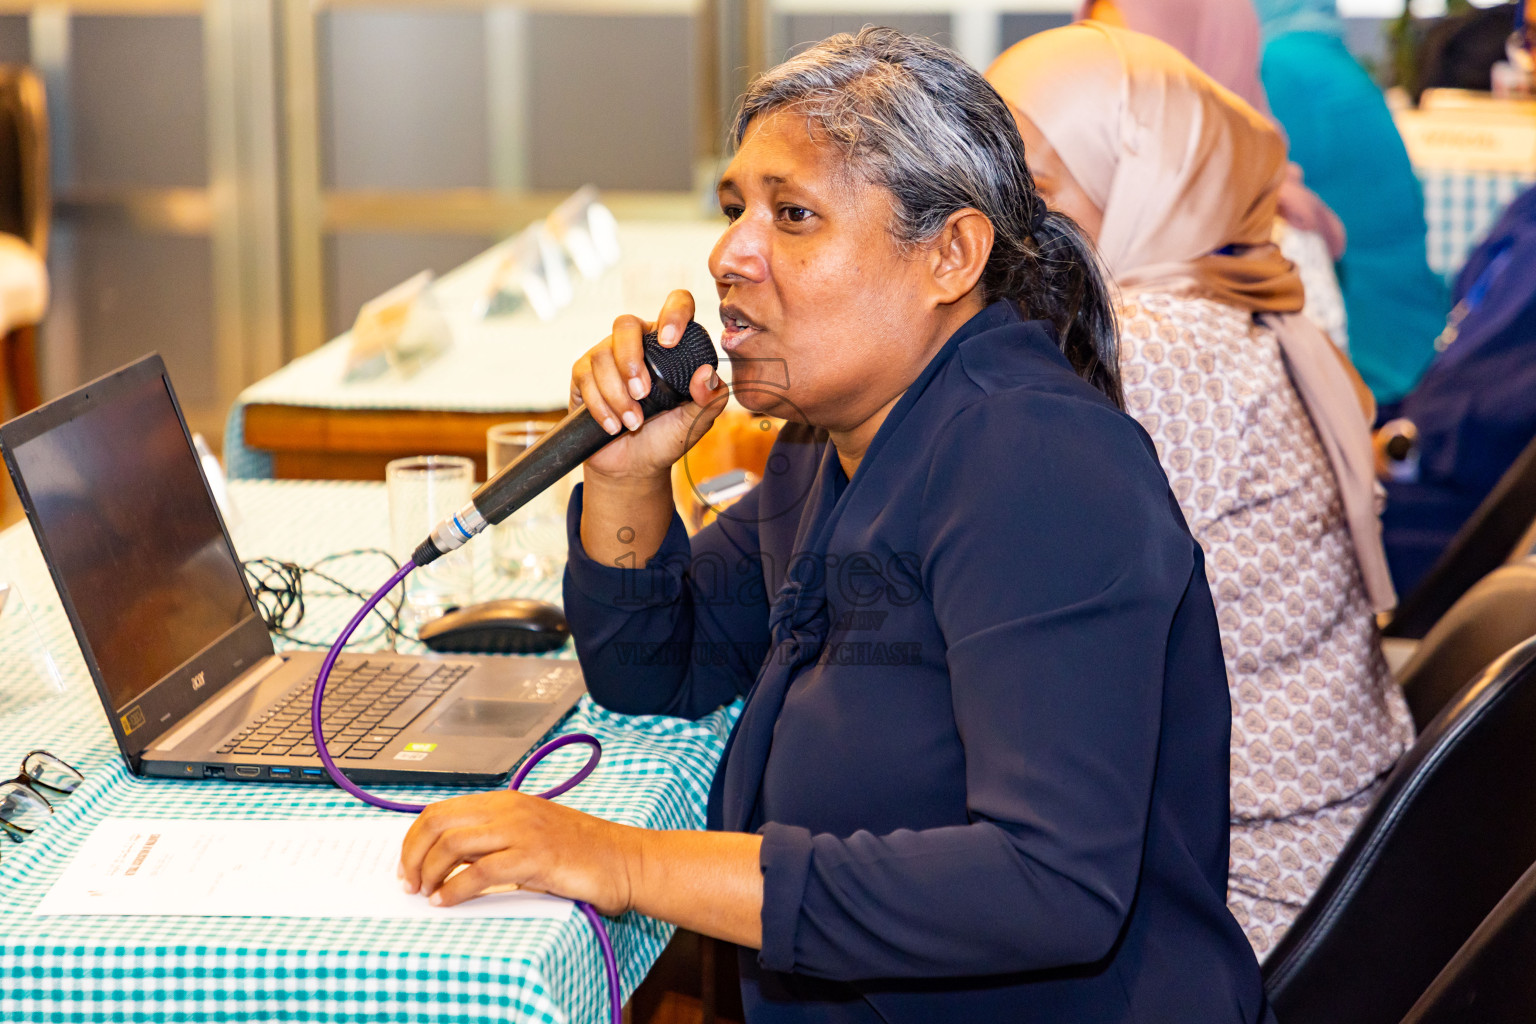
(295, 867)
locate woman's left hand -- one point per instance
(504, 839)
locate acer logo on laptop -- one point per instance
(199, 679)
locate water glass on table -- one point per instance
(423, 489)
(530, 544)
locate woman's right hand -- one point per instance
(611, 378)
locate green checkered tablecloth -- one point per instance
(1459, 209)
(655, 772)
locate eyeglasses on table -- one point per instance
(27, 800)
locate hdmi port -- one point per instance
(247, 771)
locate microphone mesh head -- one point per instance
(677, 365)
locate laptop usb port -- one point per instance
(280, 773)
(247, 771)
(213, 771)
(313, 773)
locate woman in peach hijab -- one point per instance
(1256, 423)
(1221, 38)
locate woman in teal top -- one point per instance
(1344, 138)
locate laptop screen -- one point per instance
(134, 536)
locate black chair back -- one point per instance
(1482, 544)
(1453, 827)
(1495, 615)
(1492, 979)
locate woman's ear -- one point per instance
(959, 255)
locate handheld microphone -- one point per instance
(568, 444)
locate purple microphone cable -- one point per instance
(605, 944)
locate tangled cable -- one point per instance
(280, 590)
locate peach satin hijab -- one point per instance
(1186, 175)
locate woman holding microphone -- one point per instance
(980, 772)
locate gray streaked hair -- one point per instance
(916, 120)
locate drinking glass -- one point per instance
(529, 544)
(423, 490)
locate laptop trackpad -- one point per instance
(469, 716)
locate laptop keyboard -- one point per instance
(367, 704)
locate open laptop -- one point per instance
(176, 644)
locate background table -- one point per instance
(305, 421)
(655, 772)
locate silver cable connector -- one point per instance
(450, 534)
(455, 531)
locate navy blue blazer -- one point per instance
(1475, 407)
(985, 734)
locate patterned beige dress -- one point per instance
(1316, 718)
